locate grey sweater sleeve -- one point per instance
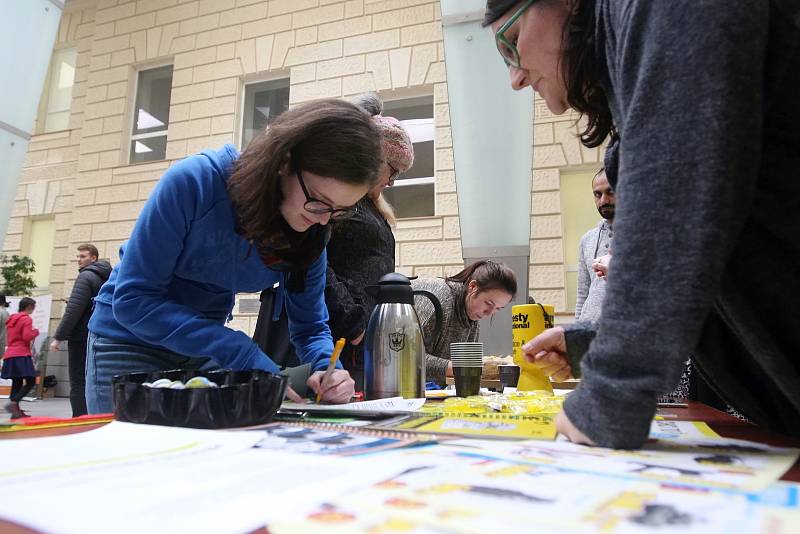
(584, 277)
(435, 367)
(578, 336)
(686, 91)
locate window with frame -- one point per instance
(151, 115)
(39, 235)
(263, 101)
(59, 89)
(413, 192)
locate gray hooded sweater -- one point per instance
(704, 94)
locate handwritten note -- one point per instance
(393, 404)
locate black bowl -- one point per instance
(243, 398)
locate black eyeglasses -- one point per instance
(395, 174)
(312, 205)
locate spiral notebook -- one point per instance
(386, 407)
(484, 425)
(317, 437)
(421, 426)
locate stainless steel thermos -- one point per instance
(394, 349)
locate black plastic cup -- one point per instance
(468, 380)
(509, 375)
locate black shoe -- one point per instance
(15, 411)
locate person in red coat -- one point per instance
(17, 359)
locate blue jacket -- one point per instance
(180, 270)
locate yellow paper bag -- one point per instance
(528, 321)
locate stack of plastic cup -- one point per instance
(467, 361)
(466, 354)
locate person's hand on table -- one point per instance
(565, 427)
(293, 396)
(338, 388)
(548, 351)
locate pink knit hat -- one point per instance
(398, 151)
(397, 148)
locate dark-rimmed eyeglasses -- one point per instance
(507, 49)
(395, 174)
(313, 205)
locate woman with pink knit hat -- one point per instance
(361, 249)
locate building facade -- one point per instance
(136, 85)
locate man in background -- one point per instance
(92, 273)
(595, 252)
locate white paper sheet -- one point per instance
(393, 404)
(309, 440)
(681, 430)
(138, 478)
(449, 493)
(709, 463)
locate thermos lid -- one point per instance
(395, 279)
(392, 288)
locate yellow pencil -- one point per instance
(337, 351)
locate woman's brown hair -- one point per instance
(329, 137)
(579, 67)
(488, 275)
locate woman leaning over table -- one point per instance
(700, 97)
(361, 249)
(219, 223)
(476, 292)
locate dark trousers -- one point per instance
(353, 361)
(77, 376)
(18, 391)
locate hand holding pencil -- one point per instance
(333, 385)
(337, 351)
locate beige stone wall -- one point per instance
(431, 246)
(556, 148)
(328, 48)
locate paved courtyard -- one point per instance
(52, 407)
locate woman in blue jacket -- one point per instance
(219, 223)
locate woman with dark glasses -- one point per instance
(220, 223)
(361, 249)
(700, 100)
